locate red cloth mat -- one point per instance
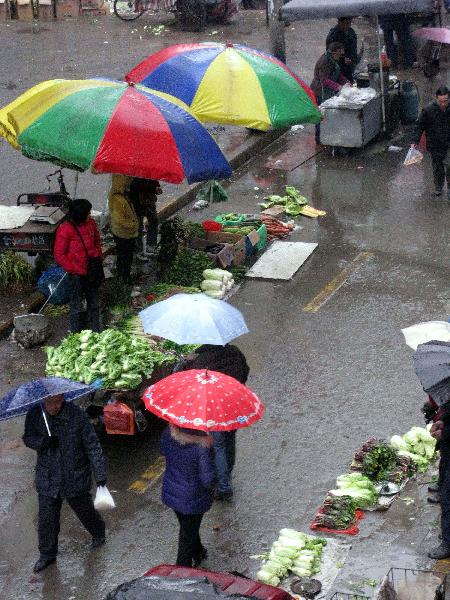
(353, 529)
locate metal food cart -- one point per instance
(365, 122)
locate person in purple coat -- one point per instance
(188, 486)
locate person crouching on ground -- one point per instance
(76, 239)
(187, 487)
(63, 471)
(435, 122)
(124, 224)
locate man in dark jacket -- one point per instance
(63, 471)
(231, 361)
(344, 33)
(435, 122)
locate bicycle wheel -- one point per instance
(128, 10)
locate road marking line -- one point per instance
(335, 284)
(149, 476)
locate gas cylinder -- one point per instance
(409, 96)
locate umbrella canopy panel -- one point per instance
(328, 9)
(19, 400)
(112, 127)
(441, 35)
(230, 84)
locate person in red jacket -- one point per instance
(70, 253)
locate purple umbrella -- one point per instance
(434, 34)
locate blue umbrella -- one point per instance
(18, 401)
(193, 319)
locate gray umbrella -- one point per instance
(432, 366)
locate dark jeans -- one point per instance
(124, 253)
(152, 225)
(441, 169)
(224, 458)
(49, 521)
(81, 318)
(189, 543)
(401, 28)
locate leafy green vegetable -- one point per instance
(14, 270)
(187, 268)
(119, 359)
(292, 202)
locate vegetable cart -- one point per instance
(47, 210)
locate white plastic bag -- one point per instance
(103, 499)
(413, 157)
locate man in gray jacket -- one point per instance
(65, 460)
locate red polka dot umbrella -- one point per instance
(205, 400)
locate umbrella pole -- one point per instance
(383, 108)
(46, 422)
(76, 185)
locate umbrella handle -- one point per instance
(46, 422)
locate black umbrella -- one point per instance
(432, 366)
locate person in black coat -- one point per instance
(65, 460)
(188, 487)
(344, 33)
(435, 122)
(231, 361)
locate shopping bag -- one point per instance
(413, 157)
(103, 499)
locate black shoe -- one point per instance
(434, 499)
(433, 489)
(97, 542)
(440, 552)
(438, 192)
(225, 496)
(43, 563)
(203, 556)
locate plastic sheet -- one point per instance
(169, 588)
(351, 530)
(47, 285)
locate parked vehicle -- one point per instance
(192, 14)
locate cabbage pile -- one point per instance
(293, 552)
(417, 444)
(119, 360)
(360, 488)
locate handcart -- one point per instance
(46, 210)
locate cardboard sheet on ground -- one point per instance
(12, 217)
(281, 260)
(333, 558)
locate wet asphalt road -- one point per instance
(329, 379)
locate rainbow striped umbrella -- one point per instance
(112, 127)
(230, 84)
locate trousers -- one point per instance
(124, 253)
(49, 521)
(189, 544)
(79, 317)
(224, 457)
(152, 225)
(441, 169)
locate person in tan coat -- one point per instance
(124, 224)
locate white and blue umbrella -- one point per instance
(193, 319)
(19, 400)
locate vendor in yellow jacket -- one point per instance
(124, 224)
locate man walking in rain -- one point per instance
(435, 122)
(67, 450)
